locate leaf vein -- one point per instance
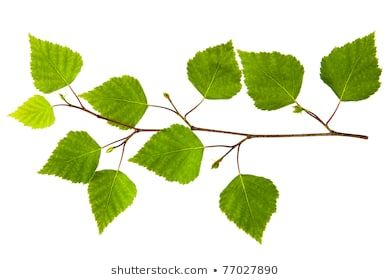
(124, 100)
(279, 85)
(177, 151)
(83, 155)
(247, 199)
(110, 193)
(349, 77)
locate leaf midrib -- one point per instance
(83, 155)
(56, 69)
(110, 194)
(247, 198)
(124, 100)
(279, 85)
(177, 151)
(349, 77)
(219, 63)
(212, 79)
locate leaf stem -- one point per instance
(162, 107)
(113, 142)
(231, 148)
(77, 97)
(334, 112)
(315, 116)
(218, 146)
(175, 110)
(238, 157)
(193, 108)
(122, 154)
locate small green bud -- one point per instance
(62, 97)
(297, 109)
(109, 150)
(215, 165)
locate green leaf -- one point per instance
(36, 112)
(249, 201)
(174, 153)
(352, 71)
(273, 79)
(215, 73)
(110, 193)
(53, 66)
(121, 99)
(75, 158)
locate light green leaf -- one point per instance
(75, 158)
(215, 73)
(110, 193)
(121, 99)
(249, 201)
(352, 71)
(53, 66)
(273, 79)
(174, 153)
(36, 112)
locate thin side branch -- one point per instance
(64, 99)
(231, 148)
(162, 107)
(314, 116)
(175, 110)
(116, 141)
(122, 154)
(94, 114)
(77, 97)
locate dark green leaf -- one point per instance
(121, 99)
(215, 73)
(53, 66)
(75, 158)
(174, 153)
(249, 201)
(273, 79)
(110, 193)
(352, 71)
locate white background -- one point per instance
(333, 212)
